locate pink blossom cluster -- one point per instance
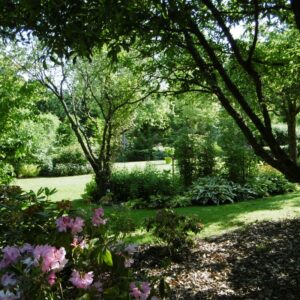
(97, 218)
(81, 280)
(51, 259)
(79, 242)
(65, 222)
(141, 293)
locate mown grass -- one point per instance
(223, 218)
(72, 187)
(216, 219)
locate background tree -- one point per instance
(99, 101)
(204, 31)
(17, 106)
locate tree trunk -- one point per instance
(102, 178)
(292, 136)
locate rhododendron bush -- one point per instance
(81, 260)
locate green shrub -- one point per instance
(159, 201)
(70, 155)
(269, 181)
(216, 190)
(26, 216)
(127, 185)
(195, 156)
(173, 229)
(70, 169)
(28, 170)
(6, 173)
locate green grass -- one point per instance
(69, 188)
(216, 219)
(72, 187)
(224, 218)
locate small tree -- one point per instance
(99, 101)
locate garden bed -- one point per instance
(259, 262)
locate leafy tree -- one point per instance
(17, 98)
(195, 139)
(282, 73)
(99, 101)
(201, 31)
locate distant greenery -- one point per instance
(139, 184)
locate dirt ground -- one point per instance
(259, 262)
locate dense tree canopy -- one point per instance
(210, 45)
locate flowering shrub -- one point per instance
(83, 261)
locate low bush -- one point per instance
(68, 161)
(143, 184)
(26, 216)
(70, 169)
(269, 181)
(28, 170)
(70, 155)
(216, 190)
(159, 201)
(212, 190)
(173, 229)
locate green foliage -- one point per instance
(173, 229)
(6, 173)
(239, 159)
(26, 216)
(66, 161)
(195, 156)
(195, 139)
(269, 181)
(28, 170)
(161, 201)
(121, 223)
(212, 190)
(127, 185)
(69, 169)
(71, 154)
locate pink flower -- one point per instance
(145, 286)
(63, 223)
(79, 243)
(81, 280)
(142, 293)
(97, 218)
(134, 291)
(50, 257)
(10, 255)
(76, 225)
(8, 279)
(51, 278)
(99, 212)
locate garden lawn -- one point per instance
(216, 219)
(72, 187)
(224, 218)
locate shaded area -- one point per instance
(259, 262)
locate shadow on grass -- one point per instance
(216, 219)
(230, 216)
